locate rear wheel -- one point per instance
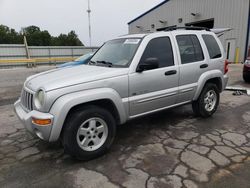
(246, 78)
(208, 101)
(88, 132)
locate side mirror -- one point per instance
(148, 64)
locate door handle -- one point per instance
(172, 72)
(204, 66)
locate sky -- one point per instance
(109, 18)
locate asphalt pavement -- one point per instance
(172, 148)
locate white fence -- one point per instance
(10, 51)
(18, 54)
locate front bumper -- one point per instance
(43, 132)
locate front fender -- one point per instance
(205, 77)
(62, 106)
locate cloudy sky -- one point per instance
(109, 17)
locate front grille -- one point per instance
(27, 100)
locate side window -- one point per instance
(190, 48)
(161, 49)
(212, 46)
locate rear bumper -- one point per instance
(43, 132)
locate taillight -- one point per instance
(226, 67)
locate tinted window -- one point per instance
(197, 47)
(190, 48)
(161, 49)
(212, 46)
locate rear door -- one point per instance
(155, 89)
(193, 64)
(215, 52)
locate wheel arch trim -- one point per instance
(64, 104)
(205, 77)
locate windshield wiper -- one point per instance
(105, 63)
(92, 63)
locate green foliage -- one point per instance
(36, 37)
(9, 36)
(71, 40)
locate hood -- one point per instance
(68, 76)
(71, 63)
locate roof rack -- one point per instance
(187, 28)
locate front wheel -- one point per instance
(88, 132)
(208, 101)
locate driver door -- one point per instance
(156, 89)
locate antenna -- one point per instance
(89, 11)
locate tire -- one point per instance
(246, 78)
(88, 132)
(203, 109)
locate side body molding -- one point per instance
(205, 77)
(62, 106)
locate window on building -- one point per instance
(212, 46)
(161, 49)
(190, 48)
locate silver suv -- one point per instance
(128, 77)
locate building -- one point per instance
(233, 14)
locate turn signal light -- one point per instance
(41, 122)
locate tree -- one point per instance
(9, 36)
(61, 40)
(71, 39)
(36, 37)
(31, 30)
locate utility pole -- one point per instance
(89, 11)
(26, 47)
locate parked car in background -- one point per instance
(79, 61)
(246, 71)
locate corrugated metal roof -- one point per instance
(148, 11)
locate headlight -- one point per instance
(247, 62)
(39, 99)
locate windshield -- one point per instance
(118, 52)
(84, 57)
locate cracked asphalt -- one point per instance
(169, 149)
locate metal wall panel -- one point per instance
(76, 52)
(36, 52)
(12, 51)
(61, 52)
(19, 52)
(226, 13)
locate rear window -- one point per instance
(190, 48)
(212, 46)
